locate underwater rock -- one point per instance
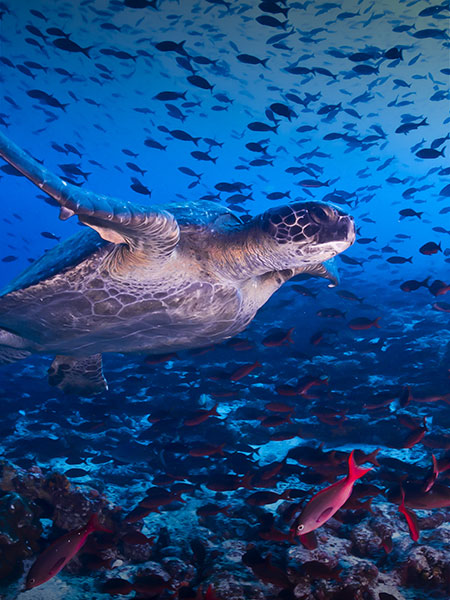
(20, 530)
(428, 568)
(365, 542)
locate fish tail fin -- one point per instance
(442, 152)
(375, 323)
(264, 63)
(85, 51)
(95, 525)
(372, 457)
(289, 334)
(355, 472)
(246, 481)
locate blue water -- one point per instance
(339, 143)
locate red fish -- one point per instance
(429, 482)
(411, 518)
(279, 338)
(57, 555)
(243, 371)
(200, 416)
(328, 501)
(210, 594)
(363, 323)
(207, 450)
(415, 436)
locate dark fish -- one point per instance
(35, 31)
(258, 126)
(271, 21)
(169, 46)
(409, 212)
(120, 54)
(50, 236)
(365, 70)
(9, 258)
(430, 248)
(70, 46)
(197, 154)
(151, 143)
(200, 82)
(281, 109)
(248, 59)
(130, 152)
(407, 127)
(169, 96)
(57, 32)
(135, 168)
(411, 285)
(140, 188)
(430, 153)
(184, 136)
(38, 14)
(399, 260)
(349, 260)
(45, 98)
(437, 34)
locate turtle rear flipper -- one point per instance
(78, 375)
(12, 347)
(142, 228)
(9, 355)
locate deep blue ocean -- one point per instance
(200, 462)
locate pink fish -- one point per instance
(411, 518)
(328, 501)
(57, 555)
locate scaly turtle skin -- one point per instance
(153, 279)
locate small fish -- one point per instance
(411, 285)
(57, 555)
(50, 236)
(430, 248)
(70, 46)
(244, 370)
(169, 96)
(411, 518)
(248, 59)
(399, 260)
(409, 212)
(200, 82)
(200, 416)
(361, 323)
(279, 338)
(430, 153)
(328, 501)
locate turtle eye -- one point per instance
(321, 214)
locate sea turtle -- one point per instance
(153, 279)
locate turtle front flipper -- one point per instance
(78, 375)
(146, 229)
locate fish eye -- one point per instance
(300, 527)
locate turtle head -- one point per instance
(307, 232)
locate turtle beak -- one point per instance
(339, 230)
